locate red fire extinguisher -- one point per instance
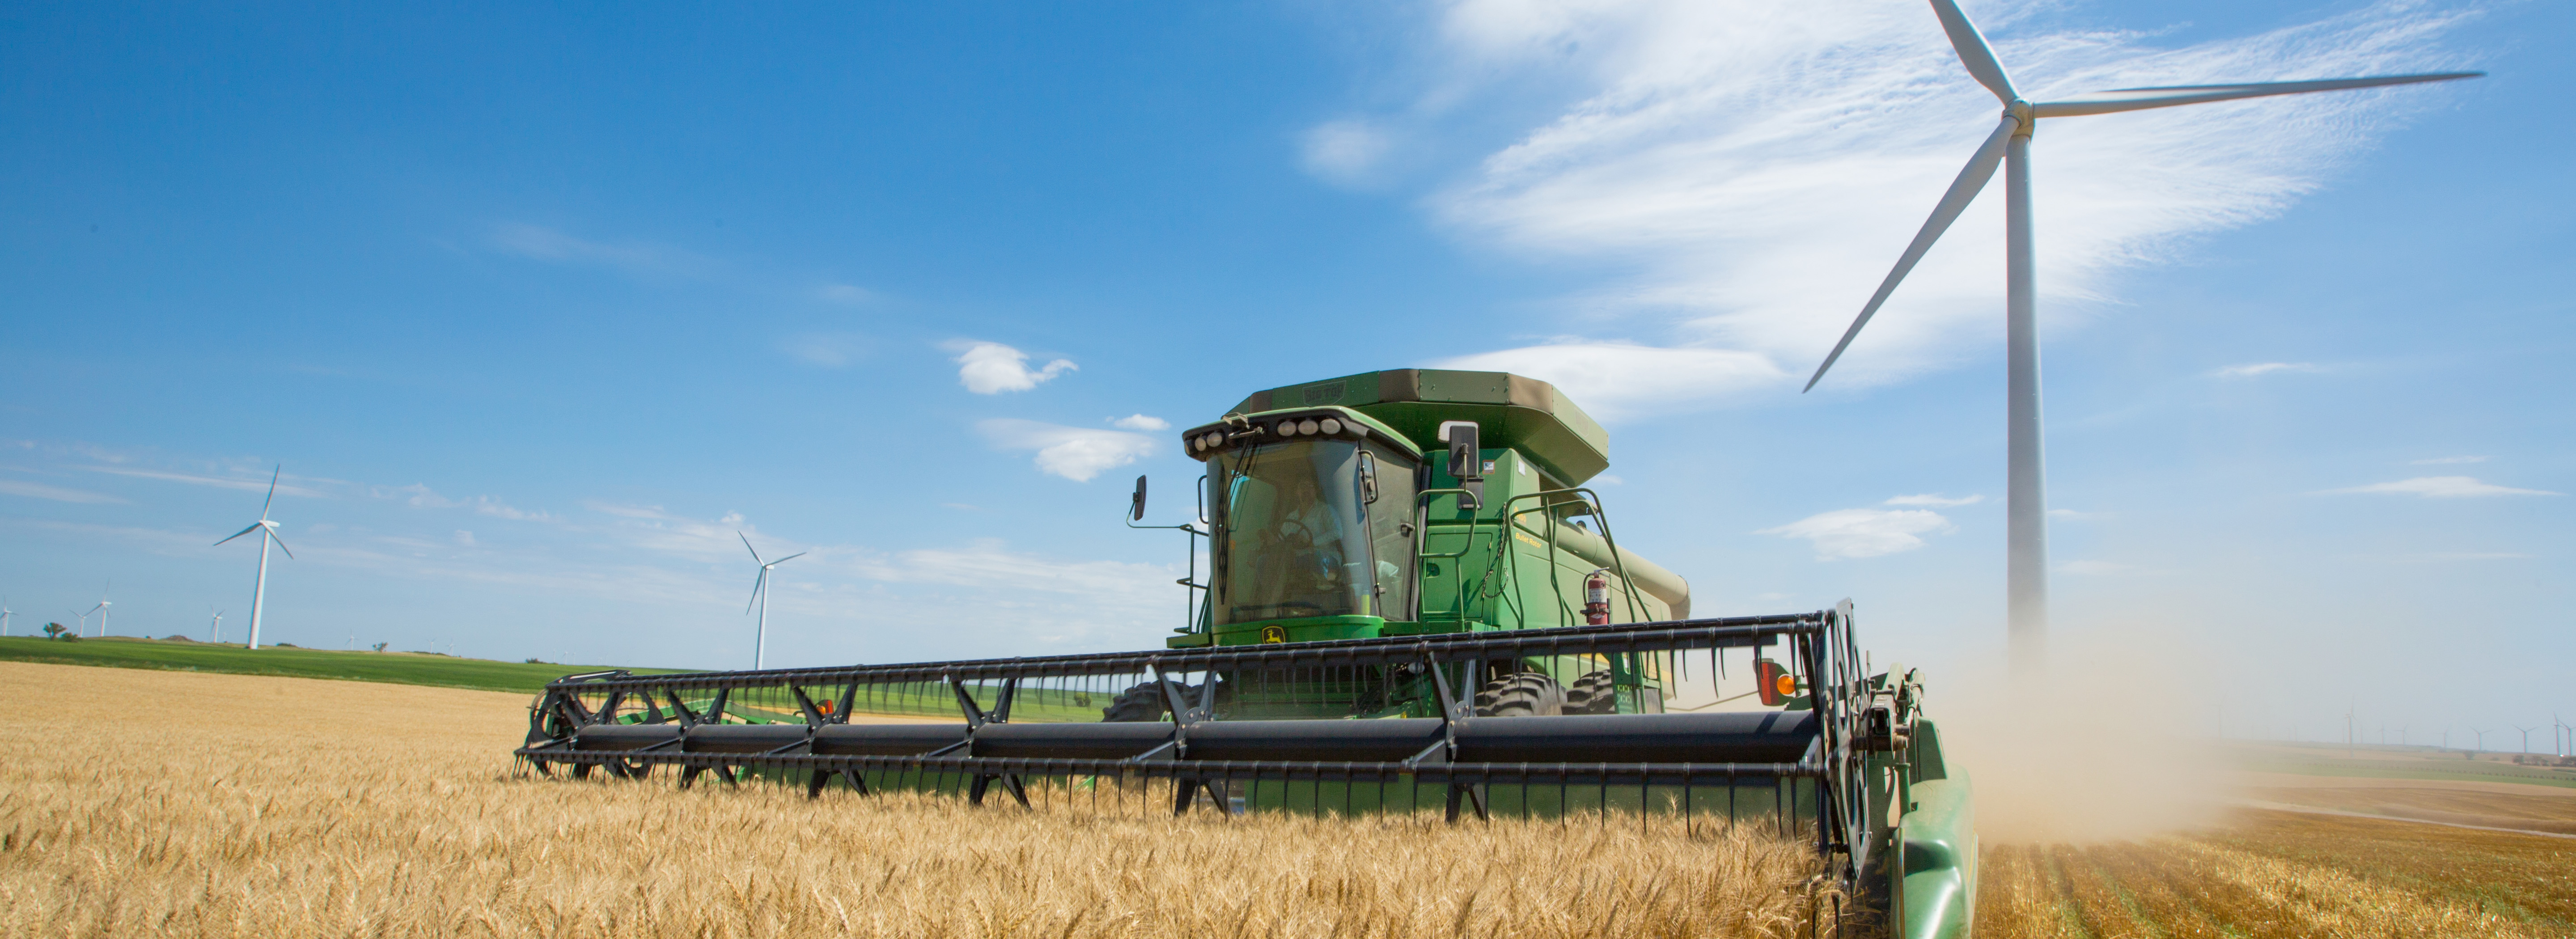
(1596, 597)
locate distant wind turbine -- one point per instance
(217, 634)
(267, 533)
(760, 597)
(5, 613)
(2526, 736)
(2025, 505)
(84, 622)
(102, 609)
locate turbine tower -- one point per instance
(2026, 509)
(216, 632)
(5, 613)
(267, 533)
(760, 598)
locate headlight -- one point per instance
(1306, 426)
(1211, 441)
(1287, 428)
(1331, 426)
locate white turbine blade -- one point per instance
(281, 545)
(746, 545)
(272, 490)
(243, 532)
(1963, 190)
(757, 585)
(2139, 99)
(95, 609)
(1973, 52)
(788, 558)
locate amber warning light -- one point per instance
(1777, 684)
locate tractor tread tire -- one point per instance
(1141, 703)
(1592, 694)
(1524, 694)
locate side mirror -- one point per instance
(1136, 502)
(1466, 460)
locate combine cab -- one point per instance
(1414, 604)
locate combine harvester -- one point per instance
(1414, 604)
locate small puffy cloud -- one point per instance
(2449, 460)
(844, 294)
(1141, 422)
(1863, 533)
(2254, 369)
(992, 368)
(1936, 500)
(2439, 487)
(1075, 453)
(1343, 152)
(1611, 379)
(56, 493)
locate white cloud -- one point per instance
(2449, 460)
(1863, 533)
(464, 539)
(1075, 453)
(2446, 557)
(2440, 487)
(1936, 500)
(2070, 515)
(1756, 166)
(1141, 422)
(421, 496)
(2253, 369)
(546, 244)
(1344, 152)
(56, 493)
(243, 483)
(1614, 379)
(992, 368)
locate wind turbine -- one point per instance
(267, 533)
(5, 613)
(760, 597)
(101, 610)
(217, 635)
(2526, 736)
(2025, 504)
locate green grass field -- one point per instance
(407, 668)
(2410, 763)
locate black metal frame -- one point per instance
(565, 728)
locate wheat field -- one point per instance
(175, 804)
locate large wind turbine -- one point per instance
(267, 533)
(2026, 508)
(101, 610)
(760, 597)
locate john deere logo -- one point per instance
(1274, 634)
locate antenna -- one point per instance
(2026, 509)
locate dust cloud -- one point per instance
(2116, 739)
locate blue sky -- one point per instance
(538, 308)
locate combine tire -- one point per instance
(1592, 694)
(1527, 694)
(1141, 703)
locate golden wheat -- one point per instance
(149, 803)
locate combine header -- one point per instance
(1381, 631)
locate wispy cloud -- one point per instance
(2439, 487)
(1075, 453)
(1616, 379)
(422, 496)
(2103, 568)
(56, 493)
(992, 368)
(1936, 500)
(1756, 165)
(2255, 369)
(1141, 422)
(546, 244)
(1863, 533)
(244, 483)
(2449, 460)
(2446, 557)
(1344, 152)
(845, 294)
(829, 350)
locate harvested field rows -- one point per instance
(2284, 874)
(137, 802)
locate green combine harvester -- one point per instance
(1413, 604)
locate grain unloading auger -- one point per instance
(1380, 632)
